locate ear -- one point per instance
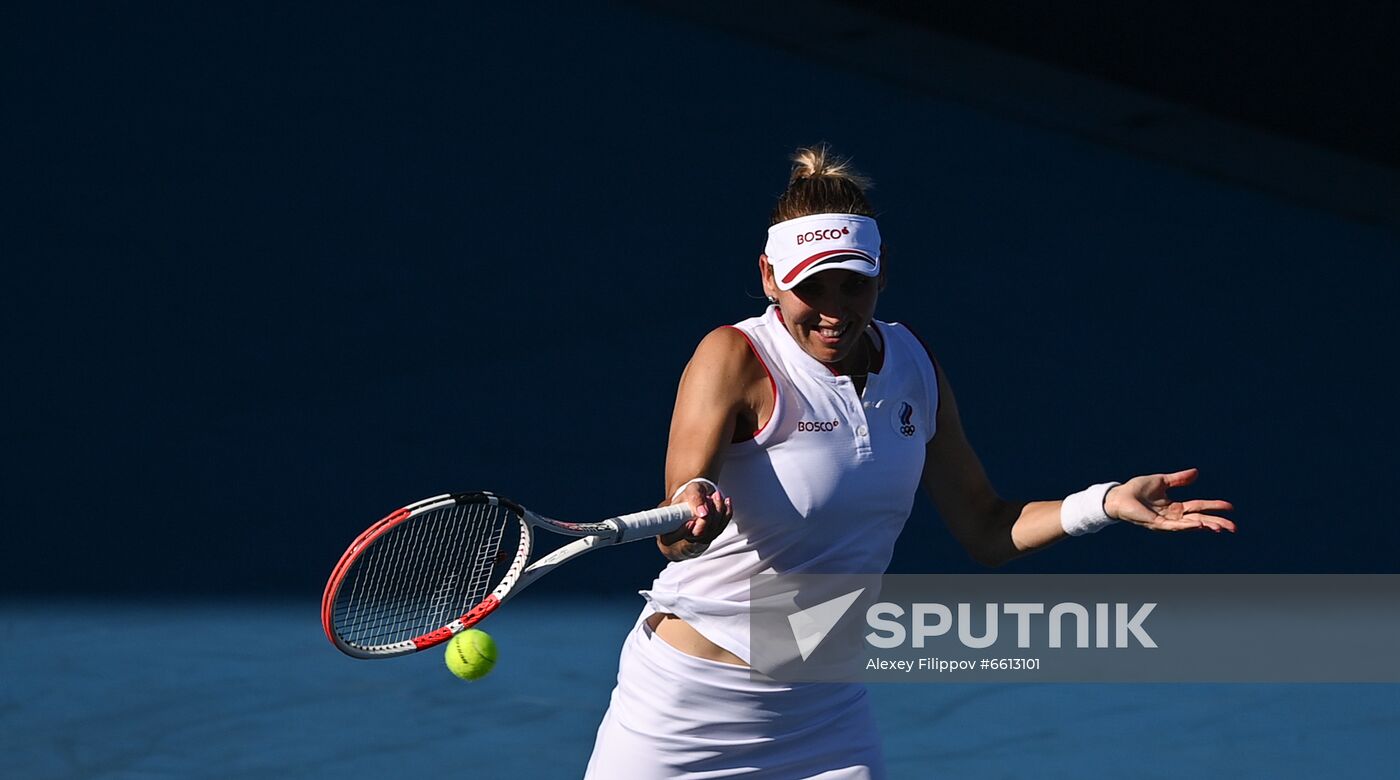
(765, 271)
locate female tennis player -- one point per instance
(799, 438)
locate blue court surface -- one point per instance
(230, 690)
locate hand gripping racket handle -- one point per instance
(652, 522)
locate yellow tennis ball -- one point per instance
(471, 654)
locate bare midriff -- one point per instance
(681, 635)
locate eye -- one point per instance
(809, 289)
(856, 285)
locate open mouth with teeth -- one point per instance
(832, 333)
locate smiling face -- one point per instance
(827, 312)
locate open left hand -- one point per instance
(1143, 501)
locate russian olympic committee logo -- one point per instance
(904, 420)
(820, 426)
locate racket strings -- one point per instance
(422, 574)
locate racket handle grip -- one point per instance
(640, 525)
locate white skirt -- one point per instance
(673, 715)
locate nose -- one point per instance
(834, 303)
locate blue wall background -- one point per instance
(275, 273)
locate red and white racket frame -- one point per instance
(605, 533)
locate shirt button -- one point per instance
(861, 431)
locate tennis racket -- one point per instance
(442, 565)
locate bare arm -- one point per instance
(722, 385)
(995, 530)
(984, 523)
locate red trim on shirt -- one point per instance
(773, 385)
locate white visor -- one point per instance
(804, 246)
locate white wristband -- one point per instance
(1082, 513)
(713, 487)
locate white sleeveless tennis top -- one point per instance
(824, 487)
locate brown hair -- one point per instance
(822, 183)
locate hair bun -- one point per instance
(822, 183)
(810, 162)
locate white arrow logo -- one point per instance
(811, 625)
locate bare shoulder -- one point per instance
(726, 351)
(725, 374)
